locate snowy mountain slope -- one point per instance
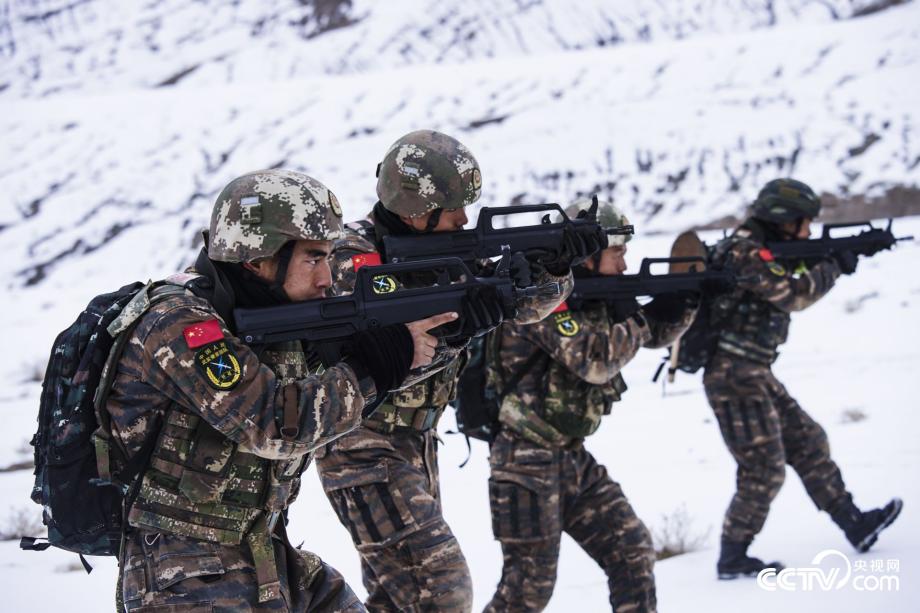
(678, 133)
(854, 351)
(61, 46)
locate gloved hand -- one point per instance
(522, 271)
(482, 311)
(578, 244)
(622, 309)
(846, 260)
(383, 353)
(670, 308)
(716, 287)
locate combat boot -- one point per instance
(862, 529)
(735, 562)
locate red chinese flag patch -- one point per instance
(765, 255)
(201, 334)
(365, 259)
(562, 307)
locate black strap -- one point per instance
(28, 543)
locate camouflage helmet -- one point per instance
(427, 170)
(256, 214)
(608, 216)
(783, 200)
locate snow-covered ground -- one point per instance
(856, 350)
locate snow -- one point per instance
(106, 179)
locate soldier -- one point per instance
(226, 432)
(555, 381)
(762, 425)
(382, 479)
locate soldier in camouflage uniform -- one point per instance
(382, 479)
(229, 431)
(556, 380)
(762, 425)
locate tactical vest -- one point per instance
(749, 327)
(419, 406)
(202, 485)
(567, 405)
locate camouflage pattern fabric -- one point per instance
(754, 319)
(384, 489)
(172, 573)
(765, 429)
(410, 559)
(427, 170)
(256, 214)
(564, 397)
(536, 493)
(762, 425)
(242, 403)
(608, 215)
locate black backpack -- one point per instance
(477, 404)
(82, 508)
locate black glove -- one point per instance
(846, 260)
(578, 244)
(670, 308)
(383, 353)
(716, 287)
(522, 271)
(481, 312)
(622, 309)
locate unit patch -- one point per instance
(776, 268)
(383, 284)
(219, 365)
(566, 324)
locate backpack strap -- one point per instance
(121, 328)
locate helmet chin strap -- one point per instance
(284, 259)
(433, 220)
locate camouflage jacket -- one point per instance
(565, 392)
(435, 385)
(754, 320)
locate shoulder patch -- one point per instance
(201, 334)
(219, 365)
(776, 268)
(365, 259)
(566, 325)
(383, 284)
(562, 307)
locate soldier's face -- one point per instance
(308, 273)
(450, 221)
(613, 261)
(799, 230)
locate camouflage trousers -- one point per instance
(537, 493)
(384, 489)
(765, 429)
(164, 573)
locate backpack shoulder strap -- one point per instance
(121, 329)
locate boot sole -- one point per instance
(724, 576)
(870, 538)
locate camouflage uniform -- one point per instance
(233, 430)
(382, 479)
(543, 481)
(762, 425)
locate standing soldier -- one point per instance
(556, 380)
(382, 479)
(225, 432)
(762, 425)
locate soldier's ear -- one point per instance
(263, 268)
